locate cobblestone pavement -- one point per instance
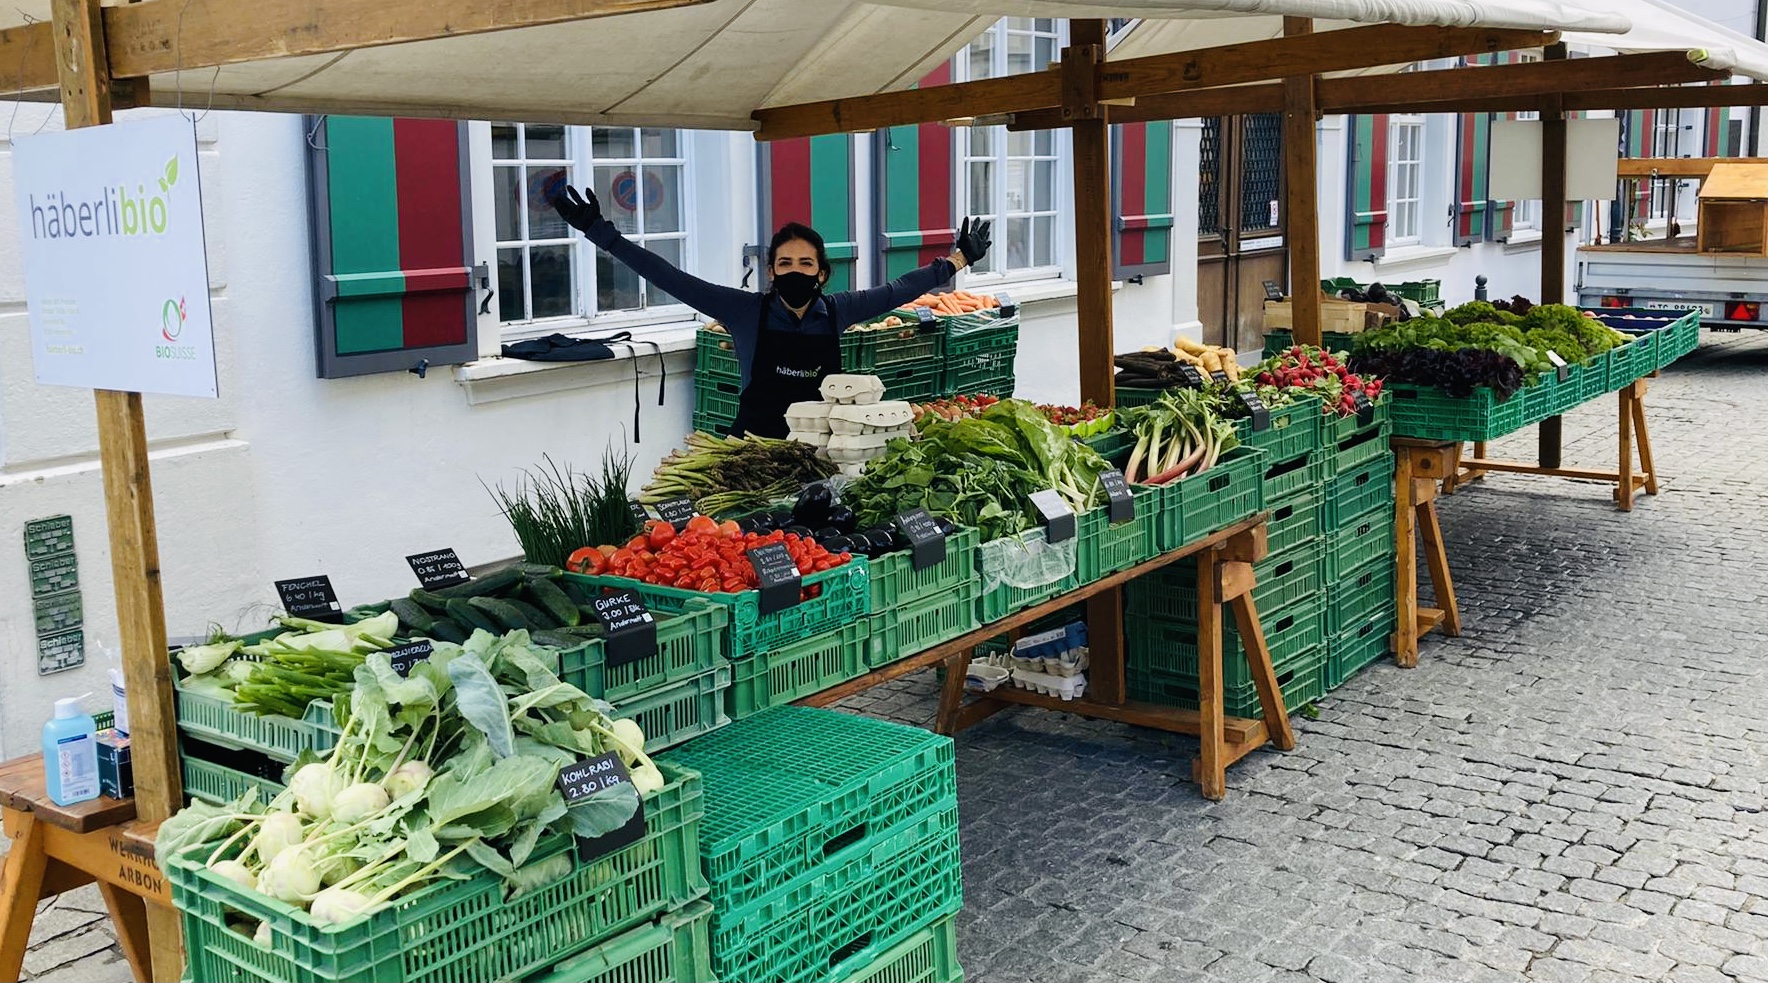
(1571, 791)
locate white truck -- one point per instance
(1722, 271)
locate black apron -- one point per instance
(788, 368)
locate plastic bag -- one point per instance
(1026, 561)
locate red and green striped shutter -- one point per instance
(1367, 227)
(392, 244)
(1719, 133)
(1640, 126)
(915, 202)
(1144, 185)
(1473, 156)
(811, 180)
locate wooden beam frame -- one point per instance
(1637, 167)
(1301, 192)
(1134, 78)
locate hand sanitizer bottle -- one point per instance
(70, 754)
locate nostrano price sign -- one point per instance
(115, 271)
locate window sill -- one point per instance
(1521, 239)
(493, 379)
(1414, 256)
(1039, 291)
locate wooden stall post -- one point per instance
(1301, 194)
(1553, 157)
(84, 72)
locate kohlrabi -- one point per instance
(278, 832)
(236, 872)
(407, 778)
(290, 878)
(358, 802)
(315, 787)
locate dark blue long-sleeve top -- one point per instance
(739, 310)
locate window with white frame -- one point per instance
(543, 269)
(1012, 178)
(1405, 180)
(1526, 214)
(1666, 141)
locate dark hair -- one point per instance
(798, 230)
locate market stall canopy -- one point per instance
(1654, 26)
(687, 63)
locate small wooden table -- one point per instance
(1419, 465)
(58, 848)
(1628, 480)
(1224, 577)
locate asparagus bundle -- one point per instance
(728, 475)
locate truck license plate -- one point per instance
(1706, 309)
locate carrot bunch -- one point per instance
(955, 302)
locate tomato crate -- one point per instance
(1283, 339)
(1199, 505)
(1286, 479)
(1634, 359)
(1355, 595)
(916, 381)
(1356, 492)
(930, 955)
(1359, 540)
(1293, 522)
(1104, 547)
(1350, 650)
(1301, 680)
(902, 630)
(1282, 582)
(793, 791)
(216, 720)
(896, 581)
(688, 644)
(840, 920)
(1427, 413)
(715, 354)
(676, 948)
(866, 351)
(1294, 430)
(453, 931)
(716, 396)
(680, 711)
(844, 595)
(791, 672)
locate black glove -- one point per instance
(974, 239)
(580, 211)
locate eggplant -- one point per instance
(802, 532)
(839, 544)
(755, 523)
(826, 533)
(814, 504)
(780, 520)
(843, 518)
(946, 526)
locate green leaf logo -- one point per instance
(171, 177)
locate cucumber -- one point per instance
(532, 570)
(583, 631)
(553, 639)
(443, 630)
(492, 583)
(576, 591)
(503, 612)
(470, 617)
(412, 614)
(539, 617)
(435, 603)
(548, 595)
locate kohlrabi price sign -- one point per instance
(111, 219)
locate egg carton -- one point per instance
(1062, 687)
(857, 448)
(890, 416)
(808, 417)
(813, 438)
(853, 470)
(858, 390)
(985, 678)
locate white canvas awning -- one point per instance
(712, 64)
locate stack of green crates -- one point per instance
(981, 350)
(1356, 519)
(830, 846)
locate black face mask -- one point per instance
(797, 289)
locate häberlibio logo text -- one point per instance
(105, 212)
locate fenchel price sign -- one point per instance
(116, 273)
(311, 598)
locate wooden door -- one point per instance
(1240, 226)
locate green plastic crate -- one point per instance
(1364, 643)
(902, 630)
(716, 396)
(1302, 680)
(1104, 547)
(844, 595)
(1170, 646)
(1677, 333)
(1427, 413)
(1006, 599)
(715, 355)
(1294, 521)
(1351, 443)
(216, 720)
(981, 361)
(1281, 582)
(895, 580)
(916, 381)
(965, 338)
(218, 784)
(930, 955)
(793, 791)
(1634, 359)
(1283, 339)
(791, 672)
(676, 948)
(688, 644)
(1594, 382)
(1197, 506)
(1364, 539)
(867, 352)
(1284, 479)
(1550, 396)
(453, 931)
(1294, 430)
(1113, 445)
(979, 382)
(713, 424)
(1422, 292)
(680, 711)
(1356, 492)
(1360, 593)
(838, 922)
(1129, 396)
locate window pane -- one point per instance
(669, 249)
(546, 142)
(982, 56)
(1044, 186)
(1045, 143)
(611, 142)
(982, 141)
(1018, 54)
(1043, 241)
(550, 278)
(1046, 53)
(1018, 186)
(617, 187)
(616, 287)
(658, 143)
(503, 141)
(543, 220)
(1018, 144)
(663, 209)
(1045, 24)
(1018, 244)
(981, 200)
(510, 303)
(506, 195)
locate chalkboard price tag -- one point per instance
(311, 598)
(676, 512)
(639, 514)
(1260, 413)
(1365, 408)
(1219, 376)
(926, 541)
(588, 778)
(1057, 516)
(925, 315)
(1008, 307)
(632, 631)
(1117, 491)
(781, 584)
(404, 657)
(1193, 376)
(441, 568)
(1272, 291)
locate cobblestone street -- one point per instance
(1572, 791)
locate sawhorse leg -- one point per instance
(1436, 557)
(21, 887)
(1633, 435)
(1406, 563)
